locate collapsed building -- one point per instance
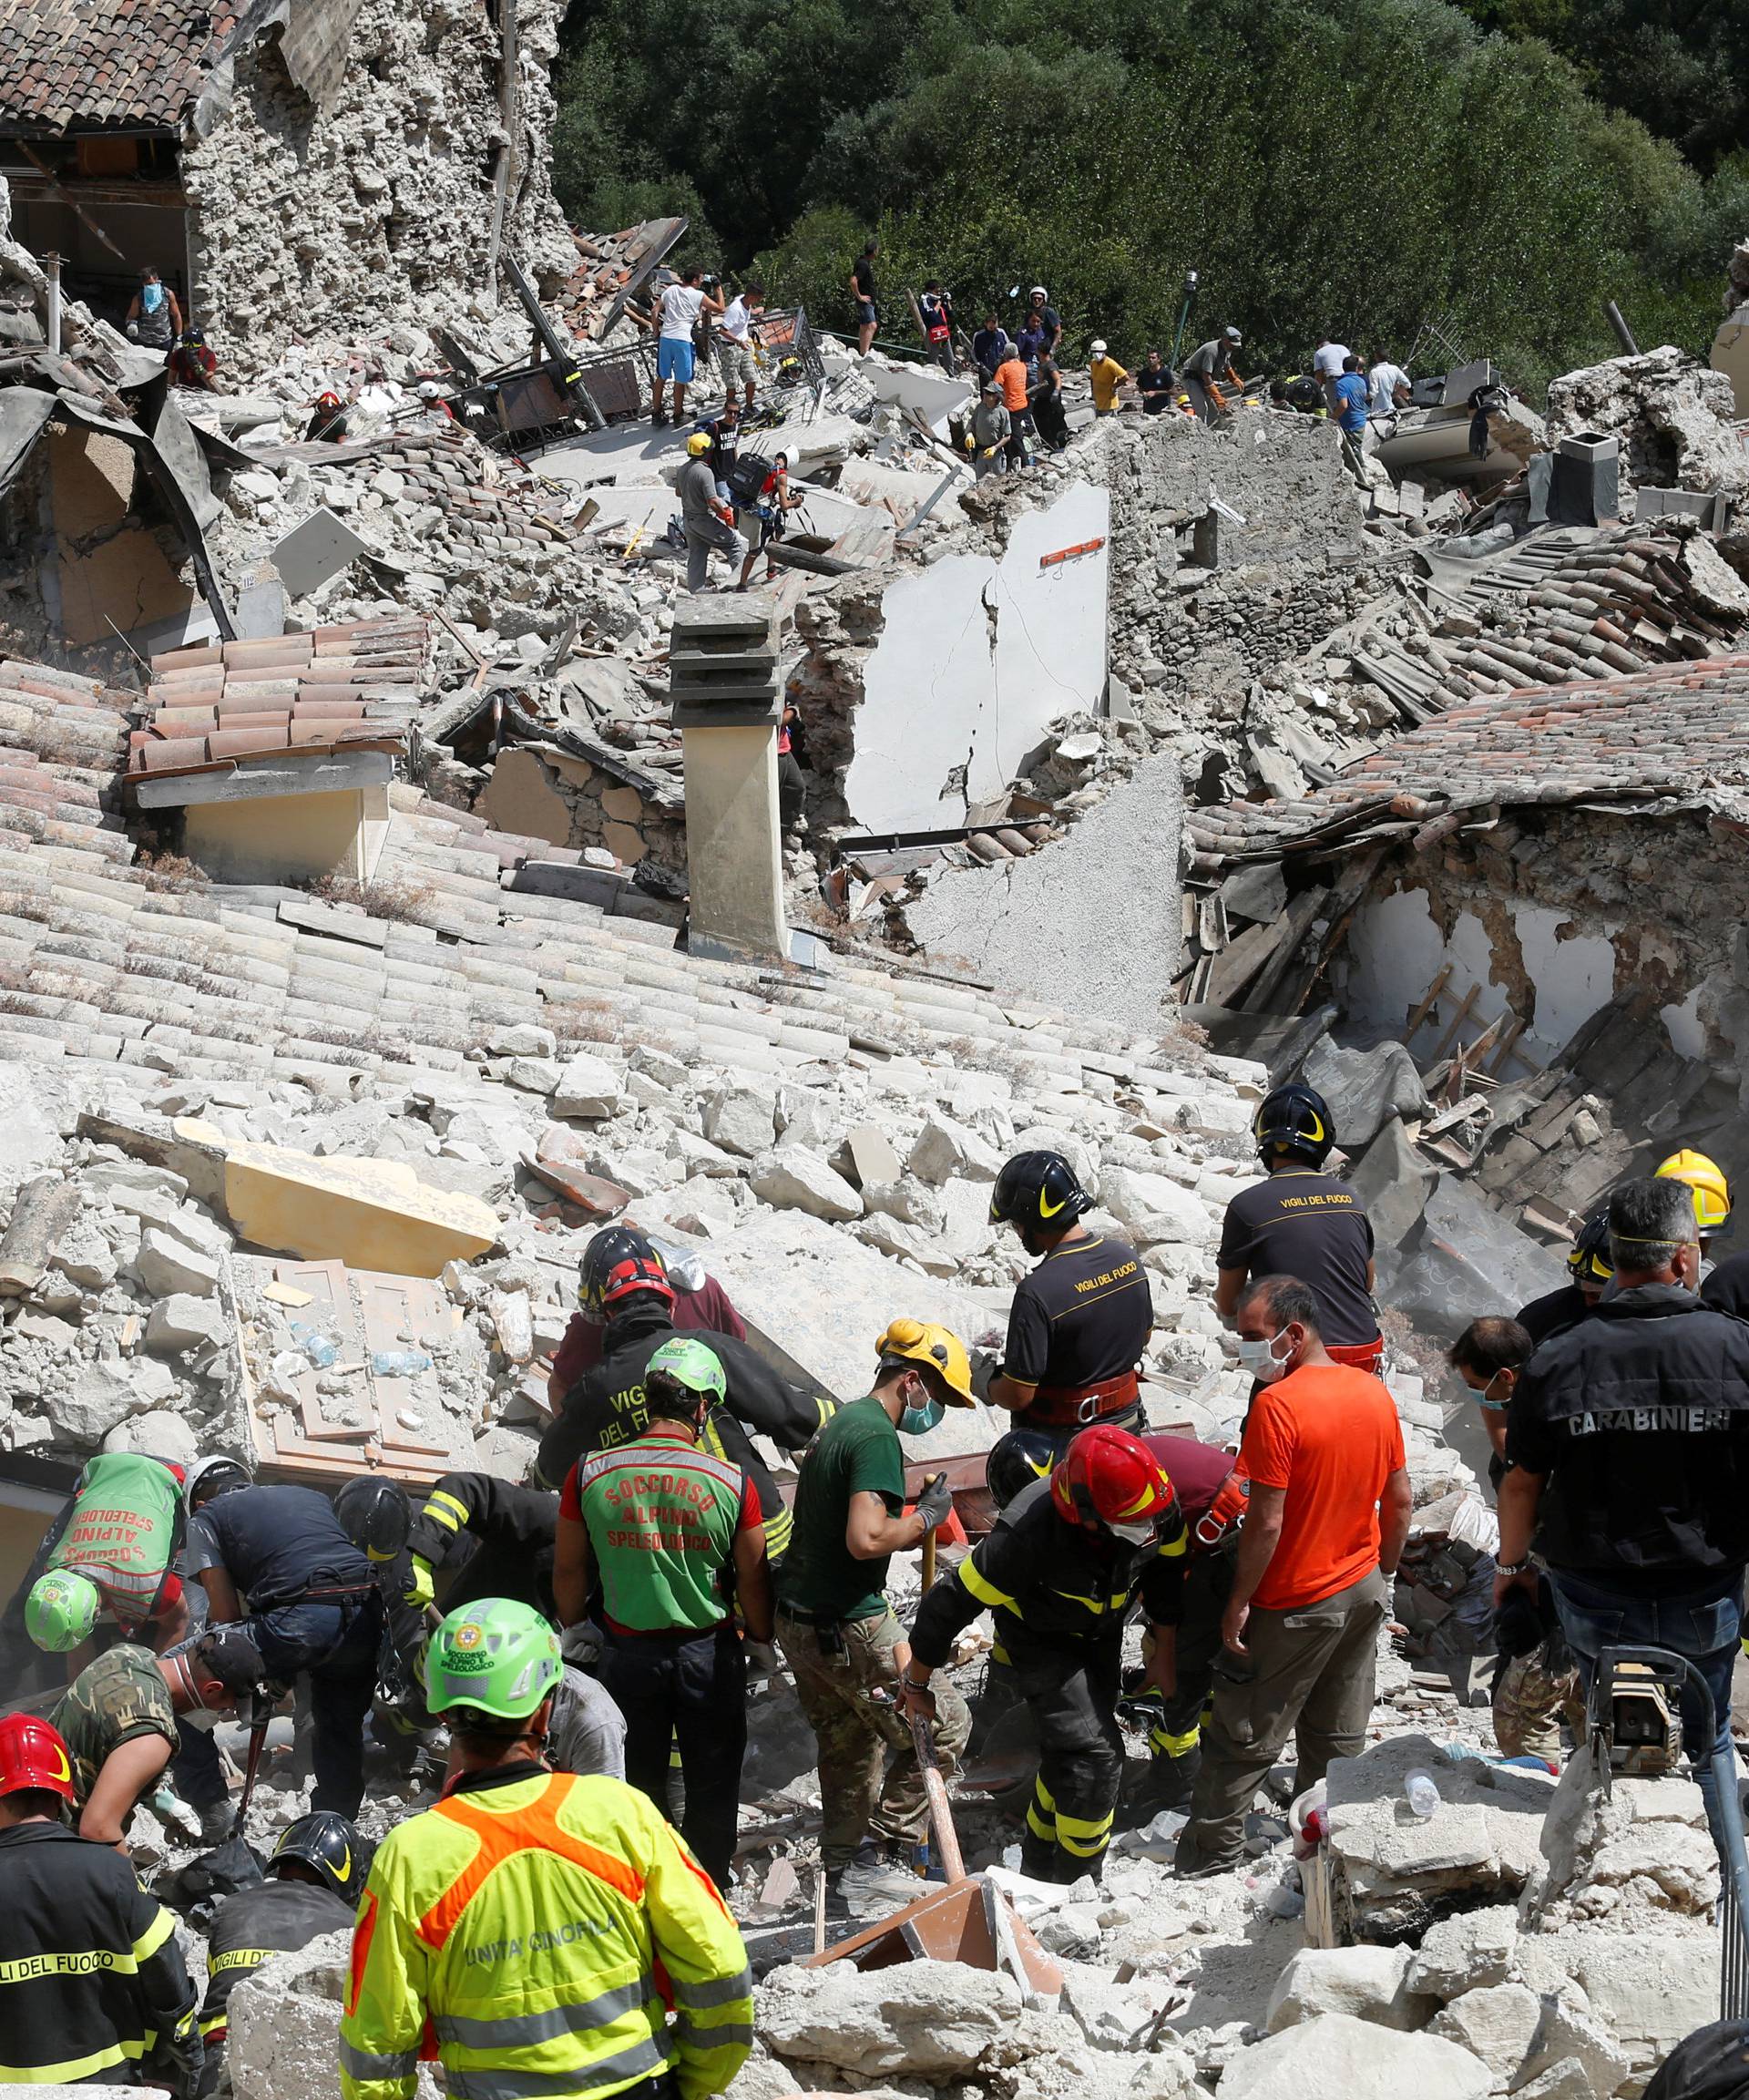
(381, 834)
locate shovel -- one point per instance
(969, 1920)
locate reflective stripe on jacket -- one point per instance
(540, 1930)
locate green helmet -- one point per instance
(690, 1363)
(61, 1609)
(496, 1656)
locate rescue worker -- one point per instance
(624, 1282)
(95, 1986)
(497, 1537)
(1536, 1680)
(675, 1538)
(936, 311)
(290, 1595)
(114, 1549)
(327, 422)
(1206, 369)
(1302, 1222)
(118, 1719)
(843, 1643)
(701, 1305)
(537, 1925)
(1712, 1196)
(199, 1775)
(1079, 1323)
(1058, 1572)
(310, 1888)
(1211, 1492)
(1591, 1269)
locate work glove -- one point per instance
(936, 1503)
(419, 1592)
(984, 1368)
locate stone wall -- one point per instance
(540, 792)
(1294, 564)
(1554, 913)
(377, 209)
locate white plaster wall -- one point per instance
(938, 695)
(1573, 978)
(1395, 951)
(1683, 1024)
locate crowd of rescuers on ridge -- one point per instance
(556, 1918)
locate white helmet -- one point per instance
(1037, 292)
(429, 390)
(1097, 346)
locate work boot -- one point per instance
(879, 1880)
(1038, 1859)
(1167, 1782)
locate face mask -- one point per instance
(1133, 1534)
(1258, 1357)
(919, 1422)
(151, 297)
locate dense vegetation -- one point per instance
(1367, 168)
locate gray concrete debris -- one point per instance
(926, 2019)
(792, 1178)
(1367, 1982)
(284, 2022)
(588, 1088)
(1459, 1953)
(1337, 2054)
(1365, 1090)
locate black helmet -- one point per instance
(212, 1477)
(1015, 1462)
(1038, 1192)
(1590, 1261)
(375, 1516)
(617, 1262)
(1293, 1121)
(327, 1842)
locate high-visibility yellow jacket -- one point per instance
(533, 1934)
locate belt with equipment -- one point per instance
(1055, 1407)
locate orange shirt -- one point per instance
(1011, 377)
(1330, 1437)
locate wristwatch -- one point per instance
(1512, 1567)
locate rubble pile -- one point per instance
(1672, 415)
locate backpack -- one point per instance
(746, 479)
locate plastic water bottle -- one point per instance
(1421, 1794)
(398, 1363)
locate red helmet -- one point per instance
(1109, 1478)
(327, 401)
(32, 1755)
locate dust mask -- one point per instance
(1258, 1357)
(1133, 1534)
(151, 297)
(919, 1422)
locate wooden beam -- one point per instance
(1428, 1004)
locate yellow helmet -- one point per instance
(938, 1349)
(1706, 1178)
(699, 444)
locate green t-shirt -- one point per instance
(661, 1517)
(120, 1696)
(123, 1531)
(854, 1453)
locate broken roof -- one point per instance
(86, 63)
(1671, 733)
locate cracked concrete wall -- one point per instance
(1553, 914)
(1090, 922)
(374, 211)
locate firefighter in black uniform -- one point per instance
(624, 1283)
(497, 1538)
(1302, 1222)
(313, 1886)
(1079, 1323)
(95, 1990)
(1591, 1268)
(1058, 1572)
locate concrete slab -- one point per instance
(370, 1213)
(976, 660)
(315, 552)
(933, 394)
(1023, 924)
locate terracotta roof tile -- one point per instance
(105, 61)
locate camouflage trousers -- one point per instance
(869, 1780)
(1530, 1701)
